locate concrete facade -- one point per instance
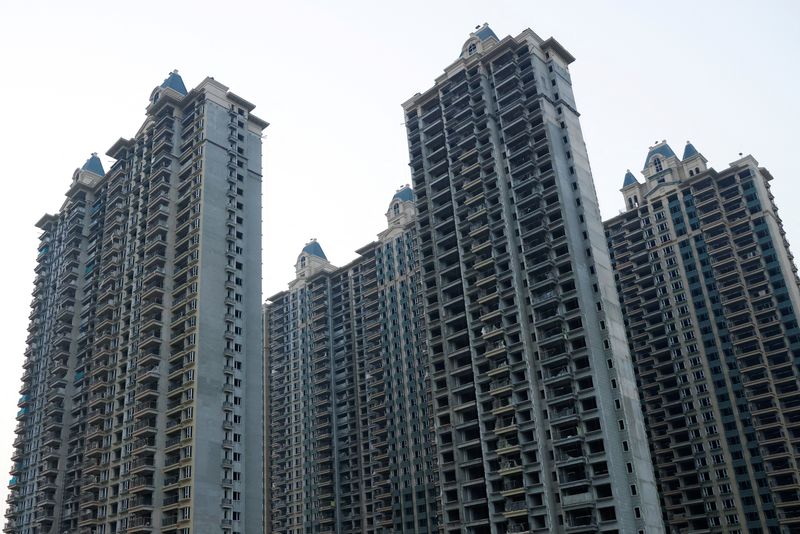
(537, 416)
(142, 398)
(350, 446)
(710, 296)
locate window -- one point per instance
(657, 164)
(471, 49)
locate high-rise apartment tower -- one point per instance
(538, 424)
(142, 397)
(350, 445)
(710, 296)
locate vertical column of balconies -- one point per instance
(761, 328)
(458, 183)
(514, 129)
(66, 369)
(72, 390)
(76, 467)
(421, 398)
(134, 385)
(343, 408)
(104, 350)
(439, 254)
(67, 382)
(20, 511)
(485, 316)
(373, 398)
(382, 399)
(715, 237)
(53, 370)
(281, 410)
(714, 240)
(293, 360)
(402, 371)
(646, 281)
(182, 292)
(322, 468)
(98, 357)
(234, 325)
(147, 370)
(572, 448)
(291, 409)
(783, 279)
(362, 283)
(66, 267)
(116, 344)
(438, 248)
(146, 364)
(334, 315)
(316, 347)
(165, 249)
(111, 395)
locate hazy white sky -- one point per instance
(330, 78)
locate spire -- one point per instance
(405, 194)
(484, 32)
(313, 248)
(630, 179)
(660, 149)
(174, 82)
(93, 164)
(689, 151)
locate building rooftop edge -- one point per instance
(44, 219)
(549, 43)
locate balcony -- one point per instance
(580, 523)
(499, 386)
(505, 425)
(515, 508)
(140, 524)
(139, 484)
(495, 349)
(143, 444)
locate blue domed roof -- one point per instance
(314, 249)
(689, 151)
(630, 179)
(406, 194)
(93, 164)
(485, 32)
(661, 149)
(175, 82)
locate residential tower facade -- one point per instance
(350, 442)
(710, 296)
(537, 417)
(142, 397)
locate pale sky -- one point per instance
(330, 78)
